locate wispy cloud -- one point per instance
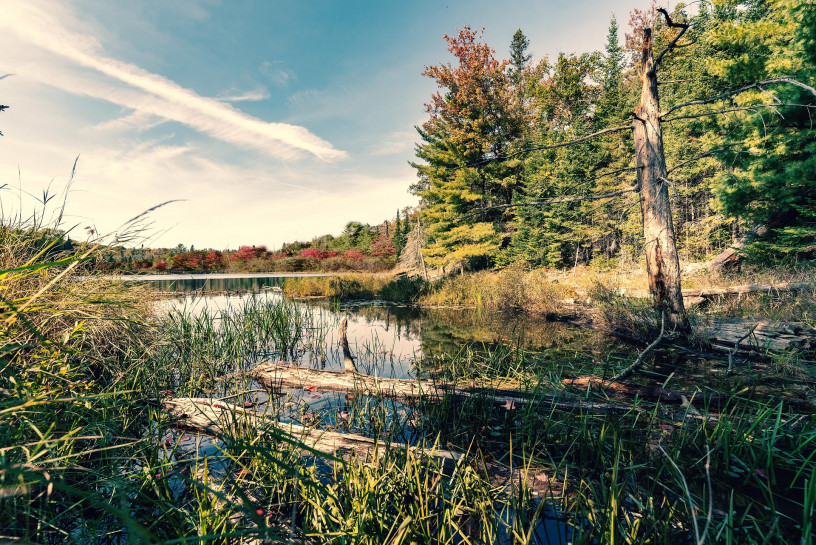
(278, 73)
(42, 24)
(396, 142)
(137, 119)
(235, 95)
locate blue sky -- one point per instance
(273, 120)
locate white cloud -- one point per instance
(396, 142)
(138, 119)
(235, 95)
(278, 73)
(41, 25)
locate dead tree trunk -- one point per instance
(662, 264)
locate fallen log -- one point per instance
(218, 418)
(728, 257)
(275, 377)
(731, 290)
(751, 335)
(650, 393)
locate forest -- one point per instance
(507, 172)
(597, 326)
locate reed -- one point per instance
(86, 454)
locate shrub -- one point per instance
(382, 247)
(245, 253)
(314, 253)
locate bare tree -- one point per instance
(662, 263)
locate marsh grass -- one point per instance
(86, 456)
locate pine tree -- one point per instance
(518, 60)
(471, 124)
(399, 234)
(773, 184)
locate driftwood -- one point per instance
(741, 335)
(219, 418)
(650, 393)
(276, 376)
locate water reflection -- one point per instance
(391, 340)
(216, 283)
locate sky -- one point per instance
(266, 121)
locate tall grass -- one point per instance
(86, 455)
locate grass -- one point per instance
(86, 454)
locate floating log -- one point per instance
(218, 418)
(275, 377)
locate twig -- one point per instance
(733, 352)
(757, 85)
(701, 156)
(546, 147)
(555, 200)
(751, 108)
(639, 361)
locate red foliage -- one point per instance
(160, 265)
(354, 255)
(214, 260)
(245, 253)
(188, 261)
(382, 246)
(316, 253)
(476, 98)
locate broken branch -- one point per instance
(758, 85)
(683, 28)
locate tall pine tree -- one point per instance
(472, 122)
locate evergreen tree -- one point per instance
(471, 124)
(518, 60)
(399, 234)
(562, 101)
(771, 180)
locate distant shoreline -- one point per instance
(210, 276)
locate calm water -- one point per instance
(218, 283)
(387, 340)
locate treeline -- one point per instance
(360, 247)
(499, 184)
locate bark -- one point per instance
(279, 376)
(348, 360)
(662, 263)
